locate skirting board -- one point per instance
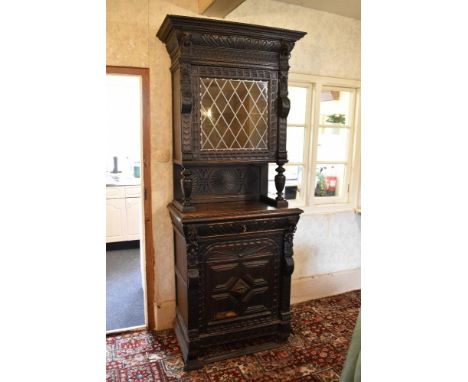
(328, 284)
(164, 314)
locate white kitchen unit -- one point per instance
(123, 218)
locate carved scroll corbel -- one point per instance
(288, 251)
(193, 274)
(186, 89)
(284, 104)
(185, 42)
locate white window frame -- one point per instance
(350, 199)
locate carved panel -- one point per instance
(220, 182)
(240, 281)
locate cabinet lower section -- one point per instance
(232, 280)
(123, 205)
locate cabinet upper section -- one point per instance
(229, 89)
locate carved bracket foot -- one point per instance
(192, 363)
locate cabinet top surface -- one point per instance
(206, 25)
(231, 210)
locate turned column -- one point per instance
(280, 181)
(186, 185)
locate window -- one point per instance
(322, 143)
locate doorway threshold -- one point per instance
(139, 328)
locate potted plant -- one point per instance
(321, 186)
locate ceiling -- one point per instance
(348, 8)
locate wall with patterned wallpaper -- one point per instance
(324, 243)
(332, 46)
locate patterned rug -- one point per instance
(315, 351)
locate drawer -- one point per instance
(243, 226)
(132, 191)
(115, 192)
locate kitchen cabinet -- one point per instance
(123, 213)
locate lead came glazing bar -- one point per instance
(233, 114)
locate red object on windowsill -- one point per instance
(331, 184)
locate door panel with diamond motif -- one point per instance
(240, 280)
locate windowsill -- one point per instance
(322, 208)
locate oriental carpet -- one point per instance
(315, 351)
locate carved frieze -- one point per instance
(237, 42)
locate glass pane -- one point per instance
(293, 188)
(329, 180)
(332, 144)
(233, 114)
(298, 98)
(295, 144)
(335, 107)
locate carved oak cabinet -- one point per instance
(233, 241)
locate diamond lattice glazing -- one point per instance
(234, 114)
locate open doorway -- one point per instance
(129, 249)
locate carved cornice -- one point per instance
(237, 42)
(204, 26)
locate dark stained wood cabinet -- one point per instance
(233, 241)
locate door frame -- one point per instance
(147, 210)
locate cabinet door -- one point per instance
(234, 114)
(242, 282)
(133, 218)
(115, 220)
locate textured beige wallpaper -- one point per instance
(127, 33)
(331, 48)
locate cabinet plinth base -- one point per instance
(197, 359)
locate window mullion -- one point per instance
(354, 154)
(350, 145)
(315, 119)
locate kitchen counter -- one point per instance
(122, 181)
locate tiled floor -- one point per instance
(315, 351)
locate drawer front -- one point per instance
(115, 192)
(241, 227)
(132, 191)
(241, 282)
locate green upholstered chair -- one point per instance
(352, 367)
